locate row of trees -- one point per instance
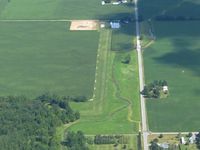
(154, 89)
(27, 124)
(65, 98)
(110, 139)
(126, 59)
(75, 141)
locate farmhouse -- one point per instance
(192, 139)
(115, 25)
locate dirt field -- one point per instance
(84, 25)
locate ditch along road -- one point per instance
(144, 129)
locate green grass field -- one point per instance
(122, 39)
(46, 57)
(175, 57)
(62, 9)
(115, 108)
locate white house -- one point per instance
(192, 139)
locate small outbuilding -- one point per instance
(103, 3)
(165, 88)
(124, 1)
(183, 140)
(164, 145)
(115, 25)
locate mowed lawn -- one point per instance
(62, 9)
(175, 57)
(46, 57)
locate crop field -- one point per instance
(38, 57)
(175, 57)
(149, 9)
(62, 9)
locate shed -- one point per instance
(115, 25)
(165, 88)
(164, 145)
(116, 3)
(183, 140)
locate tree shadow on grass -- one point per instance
(150, 9)
(183, 55)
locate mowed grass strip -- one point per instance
(109, 113)
(175, 57)
(64, 9)
(46, 57)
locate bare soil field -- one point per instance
(84, 25)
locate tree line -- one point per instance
(30, 124)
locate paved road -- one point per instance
(35, 20)
(145, 132)
(172, 133)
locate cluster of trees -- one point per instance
(198, 140)
(126, 59)
(176, 18)
(75, 141)
(27, 124)
(155, 146)
(110, 139)
(153, 90)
